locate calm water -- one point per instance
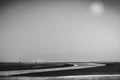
(86, 77)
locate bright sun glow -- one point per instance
(97, 8)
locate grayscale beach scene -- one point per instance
(59, 39)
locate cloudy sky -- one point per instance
(52, 30)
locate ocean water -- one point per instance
(79, 77)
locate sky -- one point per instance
(64, 30)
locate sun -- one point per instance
(97, 8)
